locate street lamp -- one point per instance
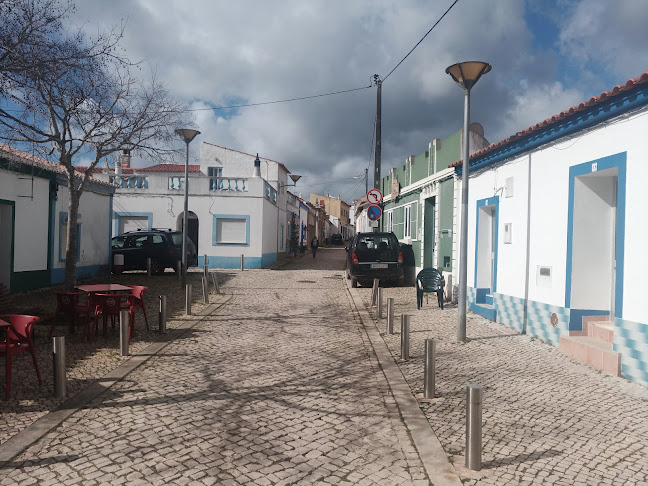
(466, 75)
(187, 135)
(294, 178)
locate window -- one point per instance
(215, 177)
(407, 219)
(231, 230)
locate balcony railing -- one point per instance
(130, 181)
(227, 184)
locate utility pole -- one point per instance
(378, 82)
(366, 181)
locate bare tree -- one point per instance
(86, 105)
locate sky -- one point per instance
(546, 56)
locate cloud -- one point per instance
(217, 53)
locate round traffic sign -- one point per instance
(374, 212)
(374, 196)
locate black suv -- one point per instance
(163, 247)
(374, 255)
(336, 239)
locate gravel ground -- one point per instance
(86, 362)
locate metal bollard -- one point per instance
(60, 379)
(215, 282)
(474, 395)
(390, 315)
(205, 290)
(379, 303)
(162, 316)
(149, 267)
(374, 291)
(124, 331)
(188, 300)
(205, 267)
(430, 370)
(242, 263)
(405, 322)
(179, 270)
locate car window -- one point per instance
(177, 239)
(118, 242)
(158, 240)
(375, 242)
(138, 241)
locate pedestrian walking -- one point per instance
(314, 245)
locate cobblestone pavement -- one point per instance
(86, 362)
(547, 418)
(279, 387)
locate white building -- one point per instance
(557, 231)
(234, 206)
(33, 223)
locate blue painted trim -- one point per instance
(488, 299)
(63, 216)
(480, 295)
(576, 317)
(612, 107)
(617, 161)
(215, 219)
(489, 201)
(117, 215)
(486, 312)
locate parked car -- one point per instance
(374, 255)
(336, 239)
(163, 247)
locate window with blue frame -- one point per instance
(231, 229)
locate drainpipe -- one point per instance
(528, 252)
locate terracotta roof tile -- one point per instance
(631, 83)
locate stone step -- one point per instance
(593, 351)
(603, 330)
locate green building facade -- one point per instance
(419, 200)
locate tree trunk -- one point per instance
(71, 253)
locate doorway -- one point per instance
(7, 215)
(428, 234)
(486, 244)
(192, 228)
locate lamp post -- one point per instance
(294, 178)
(466, 75)
(187, 135)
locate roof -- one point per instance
(30, 159)
(245, 153)
(162, 168)
(561, 117)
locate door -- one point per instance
(428, 235)
(486, 245)
(6, 241)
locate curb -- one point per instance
(17, 444)
(439, 469)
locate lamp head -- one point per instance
(187, 134)
(466, 74)
(295, 177)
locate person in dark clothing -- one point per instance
(314, 245)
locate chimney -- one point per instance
(257, 167)
(126, 159)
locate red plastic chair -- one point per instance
(137, 302)
(109, 305)
(17, 340)
(69, 304)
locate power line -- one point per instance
(436, 23)
(281, 101)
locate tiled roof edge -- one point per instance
(559, 119)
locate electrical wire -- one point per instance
(417, 44)
(281, 101)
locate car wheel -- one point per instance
(354, 283)
(156, 267)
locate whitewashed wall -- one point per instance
(31, 219)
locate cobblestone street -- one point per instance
(280, 387)
(287, 383)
